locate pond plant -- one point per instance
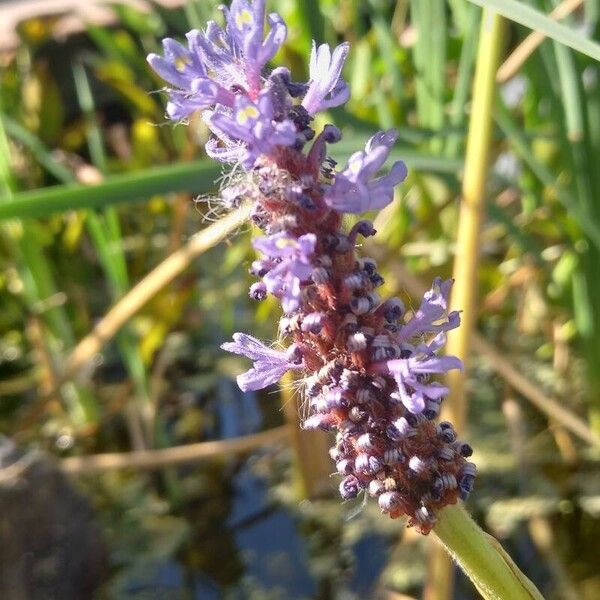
(366, 367)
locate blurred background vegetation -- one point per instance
(96, 190)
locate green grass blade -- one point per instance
(197, 176)
(521, 148)
(42, 155)
(39, 286)
(34, 268)
(538, 21)
(460, 14)
(312, 20)
(86, 103)
(106, 232)
(457, 116)
(387, 46)
(429, 17)
(592, 12)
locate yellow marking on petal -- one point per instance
(244, 17)
(181, 62)
(246, 114)
(282, 243)
(355, 165)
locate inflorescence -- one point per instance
(367, 366)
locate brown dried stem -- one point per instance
(148, 287)
(510, 67)
(165, 457)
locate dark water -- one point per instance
(274, 554)
(262, 548)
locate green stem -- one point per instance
(482, 558)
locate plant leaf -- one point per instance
(538, 21)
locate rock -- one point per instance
(50, 544)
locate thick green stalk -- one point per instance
(472, 209)
(482, 558)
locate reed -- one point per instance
(472, 211)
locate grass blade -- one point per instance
(131, 187)
(429, 17)
(521, 148)
(43, 156)
(463, 80)
(538, 21)
(312, 20)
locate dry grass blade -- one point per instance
(157, 459)
(148, 287)
(532, 392)
(510, 67)
(312, 472)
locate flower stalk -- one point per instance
(482, 558)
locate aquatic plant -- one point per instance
(367, 366)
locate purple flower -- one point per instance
(269, 365)
(411, 376)
(204, 93)
(249, 131)
(354, 190)
(220, 57)
(179, 67)
(325, 88)
(219, 64)
(293, 267)
(245, 25)
(221, 147)
(431, 315)
(185, 69)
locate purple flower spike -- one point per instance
(219, 64)
(431, 316)
(269, 365)
(368, 374)
(411, 375)
(294, 266)
(354, 190)
(326, 89)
